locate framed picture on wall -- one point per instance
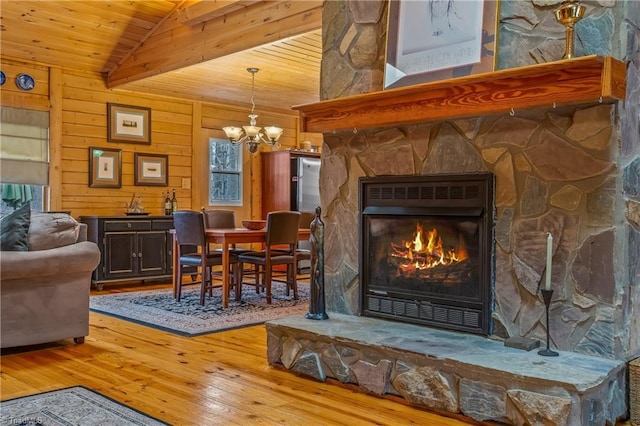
(126, 123)
(431, 40)
(105, 167)
(151, 169)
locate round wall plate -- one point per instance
(25, 82)
(3, 78)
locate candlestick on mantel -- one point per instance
(547, 284)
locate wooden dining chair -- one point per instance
(226, 219)
(193, 250)
(280, 249)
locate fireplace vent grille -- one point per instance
(426, 312)
(431, 192)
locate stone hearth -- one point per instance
(452, 371)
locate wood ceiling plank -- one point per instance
(217, 38)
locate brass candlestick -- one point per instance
(568, 14)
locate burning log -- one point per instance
(446, 274)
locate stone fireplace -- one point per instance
(571, 171)
(425, 249)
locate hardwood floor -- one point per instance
(216, 379)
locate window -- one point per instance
(225, 166)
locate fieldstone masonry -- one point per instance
(572, 171)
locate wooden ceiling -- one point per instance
(188, 49)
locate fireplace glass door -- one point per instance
(419, 256)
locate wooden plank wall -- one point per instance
(80, 98)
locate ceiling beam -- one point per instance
(174, 45)
(208, 10)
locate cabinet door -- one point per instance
(120, 254)
(152, 252)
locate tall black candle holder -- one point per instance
(546, 295)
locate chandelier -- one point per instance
(253, 134)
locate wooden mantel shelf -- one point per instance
(583, 80)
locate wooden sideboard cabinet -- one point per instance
(131, 247)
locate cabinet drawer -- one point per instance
(162, 224)
(127, 225)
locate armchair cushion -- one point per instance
(51, 230)
(14, 229)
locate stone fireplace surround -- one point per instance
(574, 172)
(537, 191)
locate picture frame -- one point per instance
(105, 167)
(151, 169)
(432, 40)
(129, 124)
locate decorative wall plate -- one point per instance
(3, 78)
(25, 82)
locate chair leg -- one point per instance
(237, 276)
(206, 280)
(257, 277)
(267, 282)
(294, 280)
(179, 283)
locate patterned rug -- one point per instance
(158, 308)
(71, 406)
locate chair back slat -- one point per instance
(189, 226)
(219, 218)
(282, 227)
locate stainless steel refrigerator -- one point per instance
(305, 183)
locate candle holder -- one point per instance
(546, 295)
(568, 14)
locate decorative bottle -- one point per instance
(167, 205)
(174, 203)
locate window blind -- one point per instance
(24, 146)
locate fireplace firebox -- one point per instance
(426, 249)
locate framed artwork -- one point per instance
(105, 167)
(151, 169)
(431, 40)
(126, 123)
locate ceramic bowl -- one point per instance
(254, 225)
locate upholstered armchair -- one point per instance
(44, 287)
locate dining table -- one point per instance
(227, 237)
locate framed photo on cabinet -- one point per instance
(432, 40)
(105, 167)
(151, 169)
(130, 124)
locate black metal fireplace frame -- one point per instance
(442, 195)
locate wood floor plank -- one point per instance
(216, 379)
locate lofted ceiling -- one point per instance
(187, 49)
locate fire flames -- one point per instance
(426, 251)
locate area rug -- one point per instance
(158, 308)
(71, 406)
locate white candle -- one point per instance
(547, 285)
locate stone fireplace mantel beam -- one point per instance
(584, 80)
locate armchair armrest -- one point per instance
(80, 257)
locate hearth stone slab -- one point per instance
(457, 372)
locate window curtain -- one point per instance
(24, 146)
